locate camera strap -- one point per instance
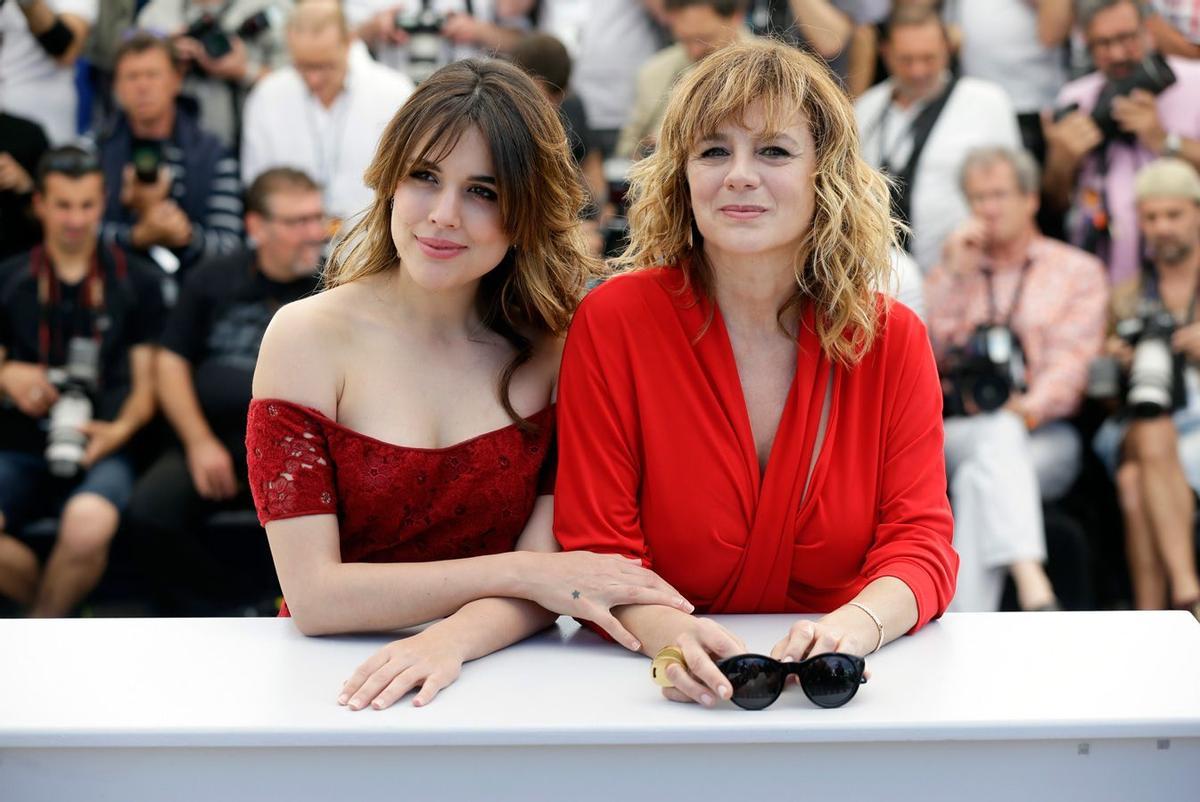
(49, 291)
(1153, 293)
(905, 177)
(993, 312)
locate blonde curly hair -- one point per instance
(845, 254)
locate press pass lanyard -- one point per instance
(993, 312)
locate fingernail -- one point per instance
(706, 699)
(687, 605)
(343, 699)
(636, 646)
(789, 659)
(377, 705)
(723, 691)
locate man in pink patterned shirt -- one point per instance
(1092, 178)
(998, 270)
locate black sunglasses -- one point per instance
(828, 680)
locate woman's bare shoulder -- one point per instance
(300, 359)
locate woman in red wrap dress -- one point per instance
(402, 425)
(739, 409)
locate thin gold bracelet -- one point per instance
(875, 618)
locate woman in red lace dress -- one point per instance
(403, 418)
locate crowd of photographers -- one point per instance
(172, 171)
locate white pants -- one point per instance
(999, 472)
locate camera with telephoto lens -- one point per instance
(76, 382)
(1156, 373)
(426, 46)
(981, 375)
(1153, 75)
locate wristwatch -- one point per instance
(1172, 146)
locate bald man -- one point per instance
(323, 114)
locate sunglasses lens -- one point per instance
(756, 680)
(830, 680)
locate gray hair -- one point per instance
(1086, 10)
(1029, 178)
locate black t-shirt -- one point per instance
(132, 315)
(218, 326)
(25, 142)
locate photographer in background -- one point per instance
(1134, 107)
(225, 46)
(1015, 318)
(1153, 443)
(78, 320)
(417, 37)
(204, 368)
(41, 41)
(173, 188)
(700, 27)
(323, 113)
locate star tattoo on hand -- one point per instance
(574, 594)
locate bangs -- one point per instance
(441, 138)
(432, 138)
(727, 93)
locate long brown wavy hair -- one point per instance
(537, 285)
(843, 257)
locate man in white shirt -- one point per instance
(323, 114)
(39, 43)
(617, 38)
(919, 125)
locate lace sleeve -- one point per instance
(290, 470)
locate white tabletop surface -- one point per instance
(259, 682)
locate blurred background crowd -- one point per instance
(172, 172)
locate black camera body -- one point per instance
(208, 32)
(256, 25)
(1156, 375)
(146, 155)
(1153, 75)
(982, 374)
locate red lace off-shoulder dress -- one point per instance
(398, 503)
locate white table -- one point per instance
(1079, 706)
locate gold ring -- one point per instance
(666, 657)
